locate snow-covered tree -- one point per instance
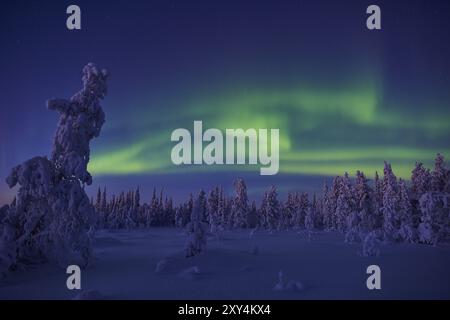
(439, 175)
(153, 210)
(435, 220)
(353, 230)
(252, 217)
(301, 207)
(270, 209)
(213, 210)
(333, 196)
(137, 198)
(316, 203)
(378, 198)
(310, 220)
(103, 209)
(8, 243)
(420, 180)
(240, 204)
(160, 217)
(98, 200)
(390, 209)
(222, 210)
(345, 204)
(196, 229)
(288, 210)
(327, 209)
(81, 119)
(183, 213)
(407, 230)
(202, 202)
(343, 210)
(169, 212)
(364, 197)
(52, 215)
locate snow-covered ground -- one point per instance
(150, 264)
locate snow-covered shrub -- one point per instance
(290, 286)
(190, 273)
(51, 217)
(370, 245)
(353, 228)
(279, 286)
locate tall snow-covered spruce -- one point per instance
(270, 209)
(197, 228)
(52, 215)
(240, 204)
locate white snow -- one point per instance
(326, 267)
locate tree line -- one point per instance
(395, 210)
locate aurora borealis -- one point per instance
(344, 98)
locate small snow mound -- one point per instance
(161, 266)
(294, 286)
(89, 295)
(290, 286)
(190, 273)
(279, 287)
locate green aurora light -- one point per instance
(322, 132)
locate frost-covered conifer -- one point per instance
(52, 214)
(327, 210)
(81, 119)
(240, 204)
(252, 217)
(213, 210)
(301, 207)
(435, 224)
(288, 212)
(270, 209)
(333, 200)
(365, 204)
(222, 210)
(439, 175)
(420, 180)
(309, 220)
(344, 204)
(390, 209)
(407, 230)
(196, 229)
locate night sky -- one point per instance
(343, 97)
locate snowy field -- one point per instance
(150, 264)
